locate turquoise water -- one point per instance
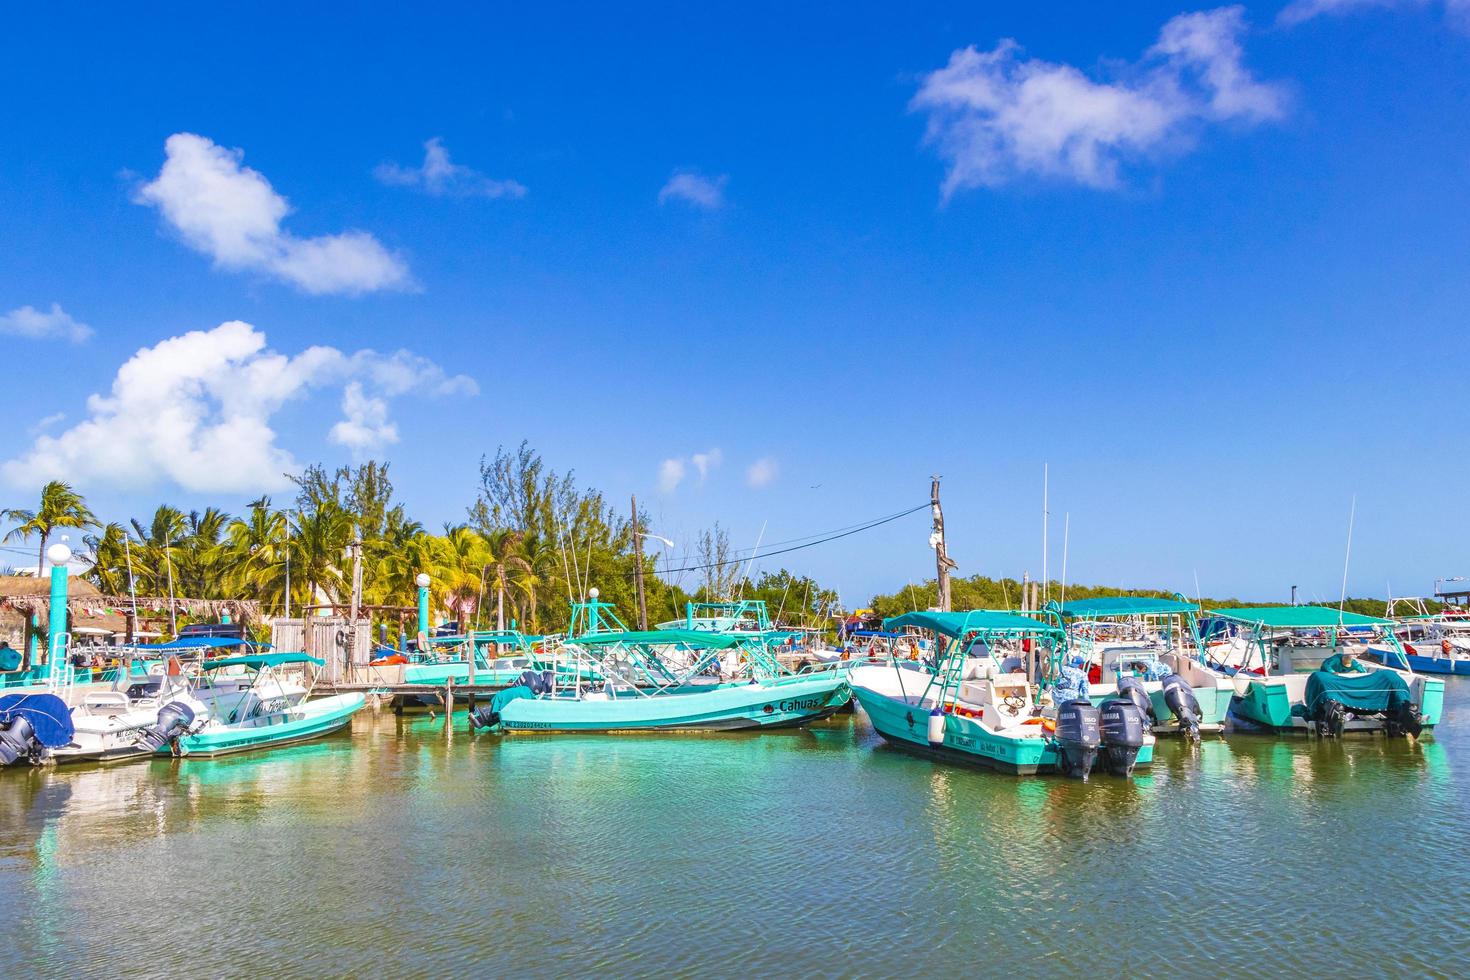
(393, 850)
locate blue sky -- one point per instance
(1212, 270)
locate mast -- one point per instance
(638, 567)
(942, 562)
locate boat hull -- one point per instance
(1269, 705)
(782, 703)
(300, 723)
(1420, 664)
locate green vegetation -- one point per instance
(532, 540)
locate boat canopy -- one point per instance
(194, 643)
(1297, 617)
(1125, 605)
(688, 638)
(959, 624)
(260, 661)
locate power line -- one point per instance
(831, 536)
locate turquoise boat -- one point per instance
(1297, 670)
(992, 698)
(1156, 643)
(270, 712)
(661, 680)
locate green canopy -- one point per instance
(262, 660)
(1124, 605)
(1297, 617)
(959, 624)
(689, 638)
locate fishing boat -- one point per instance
(1301, 673)
(1433, 643)
(259, 702)
(1152, 643)
(661, 680)
(499, 659)
(119, 724)
(998, 695)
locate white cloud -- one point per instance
(45, 423)
(762, 473)
(704, 462)
(670, 475)
(695, 189)
(442, 177)
(1458, 11)
(232, 214)
(366, 424)
(994, 116)
(34, 324)
(196, 410)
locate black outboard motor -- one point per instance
(1179, 696)
(1123, 728)
(1331, 718)
(18, 741)
(483, 717)
(1404, 719)
(174, 720)
(1078, 737)
(1132, 689)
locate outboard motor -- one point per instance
(1331, 718)
(1132, 689)
(18, 741)
(1078, 737)
(1404, 719)
(484, 717)
(174, 720)
(536, 681)
(1179, 696)
(1123, 728)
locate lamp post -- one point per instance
(423, 583)
(58, 554)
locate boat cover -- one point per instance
(1071, 686)
(47, 713)
(505, 696)
(1375, 691)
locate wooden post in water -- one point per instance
(942, 560)
(448, 703)
(638, 567)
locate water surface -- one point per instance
(395, 850)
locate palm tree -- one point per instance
(253, 554)
(110, 552)
(61, 506)
(461, 560)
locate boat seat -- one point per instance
(105, 703)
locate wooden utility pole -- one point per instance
(942, 560)
(638, 573)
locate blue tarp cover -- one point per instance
(47, 713)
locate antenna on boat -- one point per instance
(1198, 597)
(1066, 535)
(750, 565)
(1045, 519)
(1342, 600)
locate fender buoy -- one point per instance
(1446, 646)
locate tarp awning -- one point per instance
(689, 638)
(260, 661)
(1297, 617)
(959, 624)
(1124, 605)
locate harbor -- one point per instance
(770, 851)
(735, 490)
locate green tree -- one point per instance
(61, 506)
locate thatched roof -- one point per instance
(89, 607)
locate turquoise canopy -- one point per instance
(1297, 617)
(959, 624)
(1124, 605)
(688, 638)
(261, 660)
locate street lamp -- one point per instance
(422, 581)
